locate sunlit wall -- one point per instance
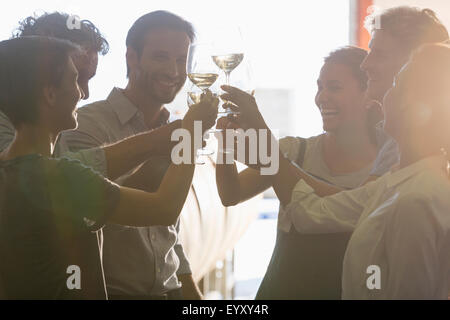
(286, 40)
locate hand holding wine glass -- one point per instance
(204, 110)
(202, 72)
(245, 103)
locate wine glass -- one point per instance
(194, 96)
(203, 73)
(243, 77)
(228, 53)
(200, 69)
(244, 80)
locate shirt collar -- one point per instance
(122, 106)
(429, 163)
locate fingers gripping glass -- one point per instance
(203, 73)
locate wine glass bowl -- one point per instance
(200, 69)
(203, 80)
(228, 54)
(228, 62)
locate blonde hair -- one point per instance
(411, 26)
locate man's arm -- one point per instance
(289, 175)
(311, 213)
(168, 201)
(128, 153)
(121, 156)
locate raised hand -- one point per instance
(245, 103)
(204, 111)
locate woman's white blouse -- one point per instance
(400, 247)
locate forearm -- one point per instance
(149, 175)
(288, 176)
(228, 186)
(165, 204)
(175, 186)
(125, 155)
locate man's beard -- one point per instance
(146, 84)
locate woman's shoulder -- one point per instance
(290, 141)
(291, 146)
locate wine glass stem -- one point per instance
(227, 81)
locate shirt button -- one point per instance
(159, 270)
(153, 237)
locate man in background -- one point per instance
(142, 263)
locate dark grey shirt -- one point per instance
(94, 158)
(137, 261)
(49, 212)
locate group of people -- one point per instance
(369, 195)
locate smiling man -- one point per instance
(396, 32)
(142, 263)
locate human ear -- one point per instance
(132, 60)
(49, 96)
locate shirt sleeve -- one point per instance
(80, 192)
(184, 267)
(340, 212)
(7, 132)
(90, 132)
(289, 147)
(94, 158)
(412, 252)
(387, 157)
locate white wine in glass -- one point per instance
(199, 68)
(229, 49)
(203, 73)
(203, 80)
(228, 62)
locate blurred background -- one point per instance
(286, 42)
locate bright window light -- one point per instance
(287, 41)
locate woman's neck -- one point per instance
(350, 141)
(30, 140)
(348, 150)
